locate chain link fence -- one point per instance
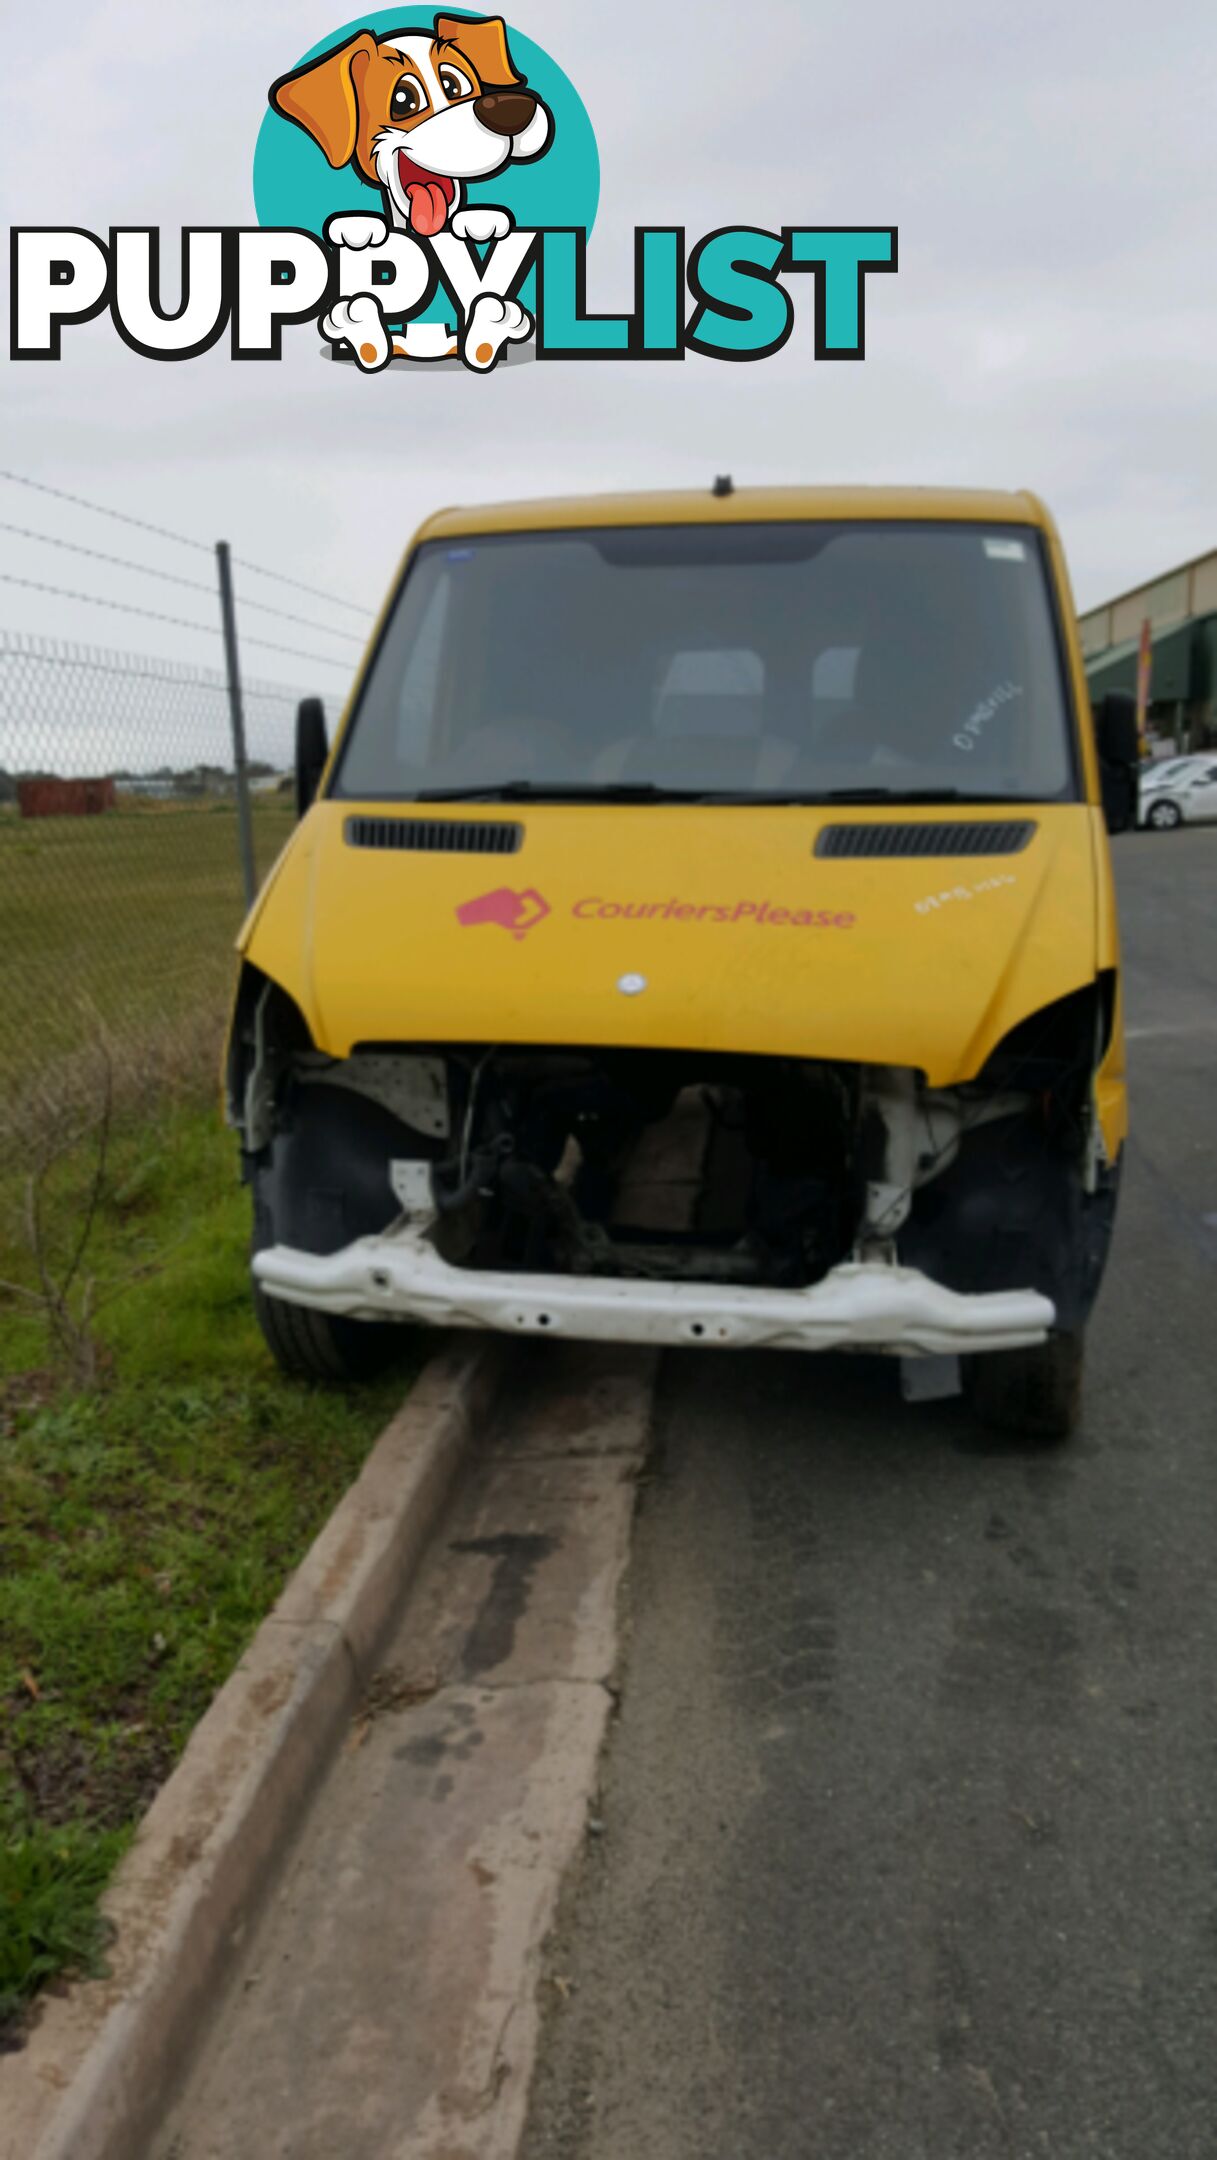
(120, 869)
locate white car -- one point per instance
(1180, 791)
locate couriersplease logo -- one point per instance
(425, 185)
(520, 912)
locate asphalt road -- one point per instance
(907, 1841)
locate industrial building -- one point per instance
(1181, 609)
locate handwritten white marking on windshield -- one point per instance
(988, 708)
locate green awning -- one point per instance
(1179, 673)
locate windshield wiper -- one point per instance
(575, 791)
(647, 791)
(807, 798)
(917, 795)
(907, 795)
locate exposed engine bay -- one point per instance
(652, 1165)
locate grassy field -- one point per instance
(129, 917)
(146, 1524)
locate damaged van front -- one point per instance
(702, 932)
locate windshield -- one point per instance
(777, 661)
(1174, 769)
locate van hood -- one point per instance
(683, 926)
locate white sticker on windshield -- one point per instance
(1005, 551)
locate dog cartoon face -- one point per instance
(417, 115)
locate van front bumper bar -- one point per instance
(862, 1305)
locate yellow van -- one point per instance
(702, 932)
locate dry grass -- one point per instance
(153, 1064)
(117, 929)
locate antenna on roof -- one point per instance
(723, 484)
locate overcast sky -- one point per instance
(1050, 166)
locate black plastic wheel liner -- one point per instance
(1011, 1214)
(324, 1180)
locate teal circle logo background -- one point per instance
(294, 185)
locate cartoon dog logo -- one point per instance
(417, 116)
(515, 911)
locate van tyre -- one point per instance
(308, 1345)
(331, 1143)
(1036, 1393)
(1164, 816)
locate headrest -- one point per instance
(722, 715)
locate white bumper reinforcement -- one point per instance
(859, 1306)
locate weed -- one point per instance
(50, 1881)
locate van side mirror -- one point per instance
(1115, 724)
(1119, 747)
(312, 750)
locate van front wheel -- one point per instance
(308, 1345)
(1036, 1392)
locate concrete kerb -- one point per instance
(94, 2077)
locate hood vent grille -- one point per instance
(436, 836)
(1005, 837)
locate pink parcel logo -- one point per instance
(518, 912)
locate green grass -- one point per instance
(134, 913)
(145, 1527)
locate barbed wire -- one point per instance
(313, 591)
(123, 517)
(163, 532)
(179, 622)
(171, 577)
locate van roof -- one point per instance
(696, 506)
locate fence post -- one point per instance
(236, 712)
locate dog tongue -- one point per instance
(428, 206)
